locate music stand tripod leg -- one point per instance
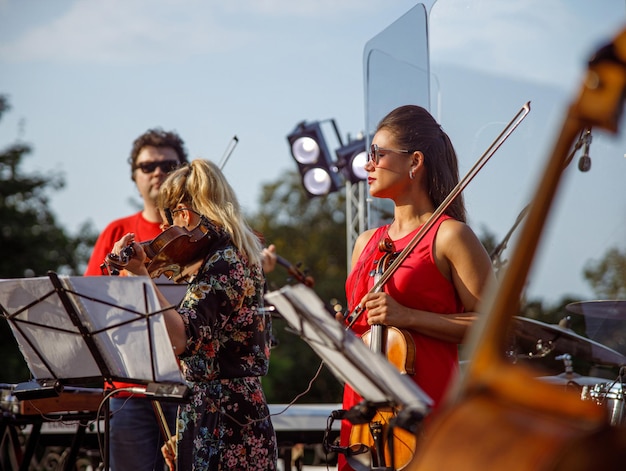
(70, 460)
(10, 448)
(33, 438)
(107, 431)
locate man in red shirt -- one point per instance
(135, 436)
(154, 154)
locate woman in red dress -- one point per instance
(435, 292)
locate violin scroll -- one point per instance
(295, 272)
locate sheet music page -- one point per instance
(52, 331)
(370, 374)
(120, 315)
(117, 312)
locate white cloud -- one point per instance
(302, 8)
(531, 39)
(124, 31)
(146, 31)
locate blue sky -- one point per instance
(86, 77)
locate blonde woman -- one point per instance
(219, 331)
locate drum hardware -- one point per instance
(541, 350)
(603, 321)
(567, 361)
(548, 338)
(569, 378)
(566, 322)
(603, 309)
(610, 395)
(605, 393)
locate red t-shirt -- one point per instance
(143, 229)
(418, 284)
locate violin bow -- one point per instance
(480, 163)
(228, 152)
(165, 429)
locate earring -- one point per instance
(411, 174)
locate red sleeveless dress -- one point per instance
(418, 284)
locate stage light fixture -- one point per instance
(318, 171)
(351, 159)
(305, 150)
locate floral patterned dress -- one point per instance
(226, 424)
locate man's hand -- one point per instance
(169, 452)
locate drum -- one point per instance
(609, 395)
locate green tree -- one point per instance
(310, 234)
(607, 276)
(31, 240)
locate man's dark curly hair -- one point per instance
(157, 137)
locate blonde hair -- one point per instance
(202, 187)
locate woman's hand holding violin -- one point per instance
(381, 309)
(137, 258)
(384, 310)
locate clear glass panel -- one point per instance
(581, 259)
(396, 72)
(575, 291)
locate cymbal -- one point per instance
(603, 309)
(573, 379)
(561, 340)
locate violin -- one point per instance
(176, 252)
(398, 347)
(295, 272)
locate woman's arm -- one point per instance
(463, 260)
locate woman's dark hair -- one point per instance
(414, 128)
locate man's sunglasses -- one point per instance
(166, 166)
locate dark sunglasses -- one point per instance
(166, 166)
(374, 153)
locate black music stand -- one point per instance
(84, 330)
(350, 360)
